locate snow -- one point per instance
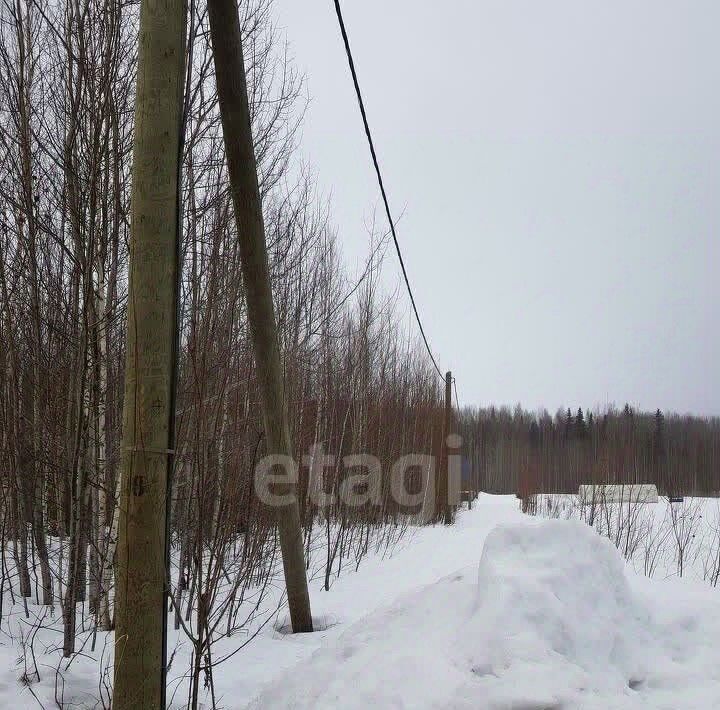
(500, 611)
(551, 618)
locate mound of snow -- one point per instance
(555, 616)
(549, 621)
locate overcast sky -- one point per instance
(558, 166)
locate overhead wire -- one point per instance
(383, 192)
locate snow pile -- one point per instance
(549, 621)
(555, 618)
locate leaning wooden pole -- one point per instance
(235, 114)
(151, 361)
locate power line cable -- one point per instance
(361, 104)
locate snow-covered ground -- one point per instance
(499, 611)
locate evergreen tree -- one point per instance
(534, 435)
(659, 437)
(580, 428)
(629, 414)
(568, 424)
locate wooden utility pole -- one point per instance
(237, 132)
(446, 511)
(151, 362)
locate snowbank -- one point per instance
(555, 619)
(549, 620)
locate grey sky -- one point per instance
(558, 164)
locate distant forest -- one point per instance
(516, 451)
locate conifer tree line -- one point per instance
(356, 381)
(517, 451)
